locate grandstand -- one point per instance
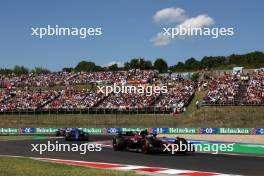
(34, 93)
(236, 89)
(25, 93)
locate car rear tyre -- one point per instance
(145, 147)
(181, 142)
(119, 143)
(67, 137)
(86, 137)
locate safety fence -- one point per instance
(145, 110)
(238, 131)
(231, 103)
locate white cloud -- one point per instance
(119, 63)
(161, 40)
(169, 15)
(177, 15)
(197, 22)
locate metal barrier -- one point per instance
(145, 110)
(231, 103)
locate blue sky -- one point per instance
(128, 28)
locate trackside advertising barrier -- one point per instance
(53, 130)
(239, 131)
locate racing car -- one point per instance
(62, 131)
(149, 143)
(75, 134)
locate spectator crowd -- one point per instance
(179, 95)
(222, 89)
(255, 90)
(36, 92)
(239, 89)
(68, 78)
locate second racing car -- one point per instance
(75, 134)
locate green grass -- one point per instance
(24, 137)
(249, 149)
(214, 116)
(28, 167)
(192, 106)
(204, 117)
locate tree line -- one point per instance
(250, 60)
(20, 70)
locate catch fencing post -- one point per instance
(116, 120)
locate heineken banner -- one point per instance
(53, 130)
(8, 130)
(132, 129)
(46, 130)
(183, 131)
(239, 131)
(92, 130)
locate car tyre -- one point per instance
(179, 141)
(118, 143)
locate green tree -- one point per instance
(161, 65)
(87, 67)
(68, 69)
(5, 71)
(113, 67)
(192, 64)
(40, 70)
(19, 70)
(250, 60)
(138, 63)
(179, 67)
(213, 62)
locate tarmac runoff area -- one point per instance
(201, 162)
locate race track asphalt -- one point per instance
(227, 164)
